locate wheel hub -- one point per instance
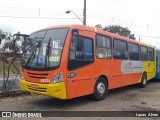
(101, 88)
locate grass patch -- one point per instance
(12, 68)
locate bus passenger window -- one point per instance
(144, 53)
(133, 51)
(151, 54)
(103, 47)
(81, 52)
(120, 49)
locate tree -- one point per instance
(18, 37)
(8, 58)
(99, 26)
(13, 43)
(117, 29)
(2, 36)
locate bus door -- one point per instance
(80, 74)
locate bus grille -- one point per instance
(39, 89)
(37, 75)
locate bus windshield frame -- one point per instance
(43, 49)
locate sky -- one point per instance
(140, 16)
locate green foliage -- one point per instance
(99, 26)
(10, 43)
(18, 37)
(117, 29)
(2, 36)
(9, 56)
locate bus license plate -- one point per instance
(35, 86)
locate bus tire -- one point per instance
(100, 89)
(143, 80)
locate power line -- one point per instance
(43, 13)
(147, 36)
(115, 20)
(32, 13)
(38, 17)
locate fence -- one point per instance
(9, 73)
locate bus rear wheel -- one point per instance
(100, 89)
(143, 81)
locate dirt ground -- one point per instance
(130, 98)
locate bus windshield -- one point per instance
(43, 49)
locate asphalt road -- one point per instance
(130, 98)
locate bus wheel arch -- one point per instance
(100, 88)
(143, 80)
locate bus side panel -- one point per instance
(111, 69)
(137, 77)
(119, 72)
(129, 79)
(72, 90)
(132, 70)
(150, 69)
(127, 71)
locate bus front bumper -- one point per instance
(56, 90)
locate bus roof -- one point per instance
(97, 30)
(80, 27)
(145, 44)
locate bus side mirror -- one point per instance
(75, 31)
(76, 40)
(75, 35)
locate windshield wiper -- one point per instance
(47, 52)
(33, 52)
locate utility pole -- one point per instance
(39, 12)
(84, 13)
(139, 39)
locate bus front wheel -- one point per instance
(100, 89)
(143, 80)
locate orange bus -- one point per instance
(69, 61)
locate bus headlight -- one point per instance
(21, 75)
(58, 78)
